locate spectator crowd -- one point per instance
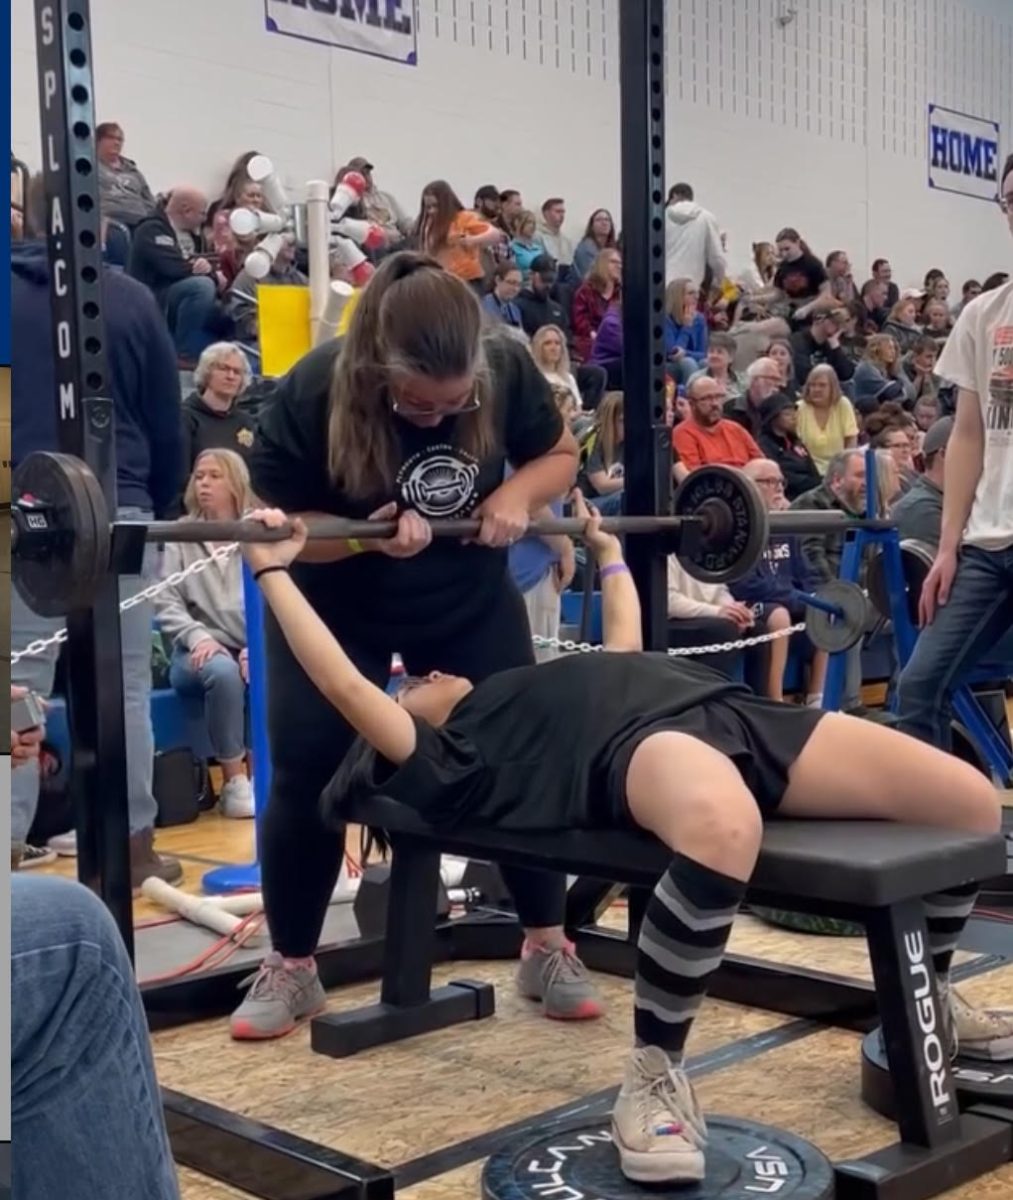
(786, 368)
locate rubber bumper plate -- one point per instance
(976, 1080)
(577, 1161)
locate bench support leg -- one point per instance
(408, 1005)
(939, 1148)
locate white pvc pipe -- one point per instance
(245, 222)
(318, 236)
(259, 261)
(261, 170)
(338, 296)
(195, 909)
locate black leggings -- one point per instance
(300, 856)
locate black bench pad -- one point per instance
(865, 863)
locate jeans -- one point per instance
(682, 368)
(85, 1107)
(214, 699)
(979, 613)
(610, 505)
(189, 308)
(36, 673)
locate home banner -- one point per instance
(963, 153)
(386, 28)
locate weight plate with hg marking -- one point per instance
(578, 1161)
(74, 520)
(976, 1081)
(835, 634)
(737, 526)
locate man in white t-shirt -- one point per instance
(967, 599)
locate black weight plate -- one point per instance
(916, 560)
(577, 1161)
(740, 528)
(976, 1081)
(835, 634)
(66, 579)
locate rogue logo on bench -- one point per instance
(963, 153)
(934, 1055)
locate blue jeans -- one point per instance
(214, 699)
(610, 505)
(37, 674)
(189, 307)
(682, 368)
(86, 1112)
(979, 613)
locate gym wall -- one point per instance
(820, 122)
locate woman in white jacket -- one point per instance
(702, 614)
(205, 618)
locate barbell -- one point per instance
(63, 542)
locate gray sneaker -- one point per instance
(278, 998)
(560, 981)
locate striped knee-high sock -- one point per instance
(946, 915)
(682, 940)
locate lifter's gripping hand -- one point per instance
(275, 554)
(606, 547)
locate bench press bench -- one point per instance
(872, 872)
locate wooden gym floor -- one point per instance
(399, 1103)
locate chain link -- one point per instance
(541, 643)
(544, 643)
(218, 554)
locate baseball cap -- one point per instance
(359, 164)
(544, 264)
(937, 436)
(912, 294)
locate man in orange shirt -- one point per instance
(707, 436)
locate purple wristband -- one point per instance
(613, 569)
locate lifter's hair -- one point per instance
(416, 318)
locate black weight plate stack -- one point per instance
(66, 578)
(577, 1161)
(737, 519)
(976, 1081)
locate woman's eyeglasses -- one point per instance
(408, 405)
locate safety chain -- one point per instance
(544, 643)
(41, 645)
(149, 593)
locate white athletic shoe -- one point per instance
(981, 1032)
(236, 799)
(657, 1125)
(65, 844)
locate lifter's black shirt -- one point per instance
(534, 743)
(371, 594)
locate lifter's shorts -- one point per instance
(763, 738)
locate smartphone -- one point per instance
(27, 713)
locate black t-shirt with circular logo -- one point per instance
(802, 279)
(436, 478)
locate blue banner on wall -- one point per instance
(963, 153)
(385, 28)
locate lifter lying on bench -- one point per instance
(606, 741)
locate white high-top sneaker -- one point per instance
(657, 1125)
(977, 1032)
(236, 799)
